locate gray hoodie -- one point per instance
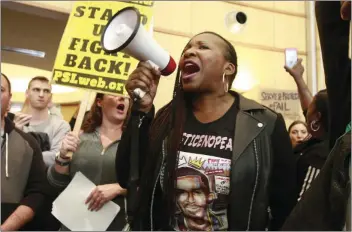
(23, 179)
(56, 128)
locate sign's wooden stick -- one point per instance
(81, 113)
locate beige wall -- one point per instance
(68, 110)
(272, 26)
(31, 29)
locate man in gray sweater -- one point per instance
(39, 96)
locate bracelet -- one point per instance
(62, 163)
(63, 158)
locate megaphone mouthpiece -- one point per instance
(170, 67)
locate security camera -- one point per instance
(235, 21)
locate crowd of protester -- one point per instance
(210, 159)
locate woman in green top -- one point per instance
(94, 155)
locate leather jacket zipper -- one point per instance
(156, 182)
(255, 184)
(152, 203)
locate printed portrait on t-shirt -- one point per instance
(202, 188)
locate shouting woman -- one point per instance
(210, 159)
(94, 155)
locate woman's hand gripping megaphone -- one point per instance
(138, 93)
(143, 83)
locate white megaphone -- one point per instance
(124, 32)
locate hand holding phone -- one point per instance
(291, 57)
(297, 70)
(21, 120)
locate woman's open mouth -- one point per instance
(190, 70)
(121, 108)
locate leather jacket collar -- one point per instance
(248, 126)
(246, 104)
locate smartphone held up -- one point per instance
(291, 57)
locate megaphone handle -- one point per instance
(138, 93)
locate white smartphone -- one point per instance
(291, 57)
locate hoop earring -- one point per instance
(314, 126)
(226, 85)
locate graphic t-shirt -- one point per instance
(203, 173)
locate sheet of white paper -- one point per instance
(70, 208)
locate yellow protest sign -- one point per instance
(81, 62)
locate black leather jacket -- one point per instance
(41, 137)
(262, 173)
(324, 205)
